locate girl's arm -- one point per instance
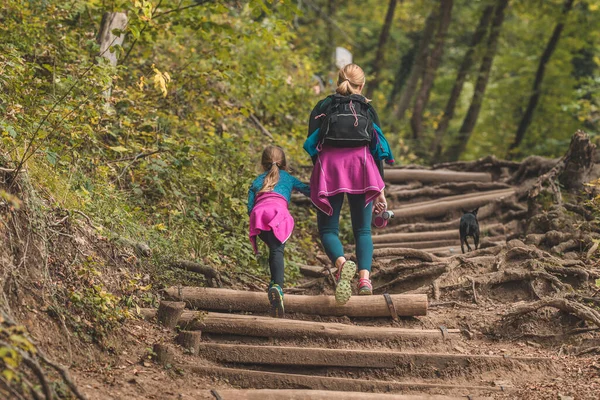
(301, 187)
(251, 196)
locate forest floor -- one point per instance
(521, 312)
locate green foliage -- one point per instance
(167, 155)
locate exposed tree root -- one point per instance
(433, 270)
(406, 253)
(213, 278)
(579, 310)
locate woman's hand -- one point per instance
(380, 204)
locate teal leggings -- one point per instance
(329, 229)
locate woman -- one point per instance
(347, 148)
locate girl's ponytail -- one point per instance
(273, 159)
(271, 179)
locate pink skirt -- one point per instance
(270, 213)
(344, 170)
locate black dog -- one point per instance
(469, 227)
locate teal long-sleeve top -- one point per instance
(287, 183)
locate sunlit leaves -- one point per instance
(161, 79)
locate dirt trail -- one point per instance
(512, 320)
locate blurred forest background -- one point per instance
(161, 144)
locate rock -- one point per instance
(515, 243)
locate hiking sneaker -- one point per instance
(364, 287)
(343, 290)
(275, 294)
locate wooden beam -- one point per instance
(210, 299)
(275, 380)
(440, 363)
(397, 175)
(304, 394)
(250, 325)
(448, 204)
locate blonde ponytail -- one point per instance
(351, 80)
(271, 179)
(273, 159)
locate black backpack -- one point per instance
(346, 122)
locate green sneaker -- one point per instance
(275, 294)
(343, 290)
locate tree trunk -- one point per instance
(357, 306)
(437, 176)
(416, 236)
(454, 152)
(106, 38)
(447, 205)
(379, 56)
(330, 37)
(539, 76)
(246, 378)
(251, 325)
(402, 74)
(304, 394)
(417, 68)
(433, 62)
(317, 357)
(464, 68)
(169, 312)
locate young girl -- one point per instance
(270, 219)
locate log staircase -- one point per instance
(361, 350)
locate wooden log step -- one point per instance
(418, 245)
(456, 197)
(245, 378)
(323, 357)
(443, 206)
(428, 235)
(416, 236)
(303, 394)
(238, 300)
(431, 176)
(250, 325)
(437, 244)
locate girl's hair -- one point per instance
(273, 159)
(350, 80)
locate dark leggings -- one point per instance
(276, 263)
(329, 229)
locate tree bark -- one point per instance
(578, 162)
(406, 63)
(464, 68)
(250, 325)
(433, 62)
(446, 205)
(379, 56)
(246, 378)
(454, 152)
(417, 68)
(438, 176)
(169, 312)
(301, 394)
(357, 306)
(316, 357)
(190, 340)
(106, 39)
(330, 37)
(539, 76)
(416, 236)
